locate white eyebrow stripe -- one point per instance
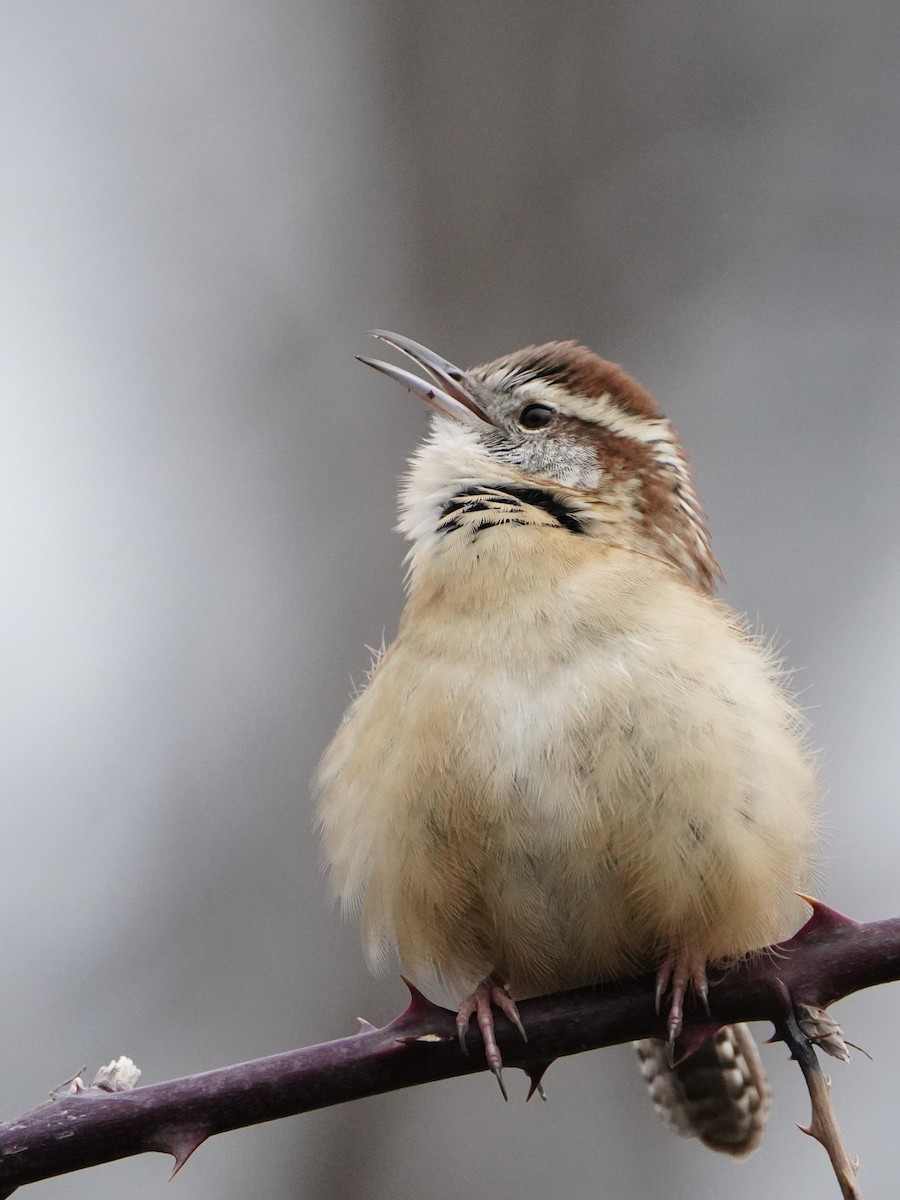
(602, 409)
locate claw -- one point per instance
(662, 983)
(501, 997)
(497, 1068)
(681, 975)
(673, 1028)
(462, 1028)
(702, 991)
(479, 1005)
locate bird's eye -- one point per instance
(536, 416)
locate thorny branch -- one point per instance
(830, 958)
(823, 1126)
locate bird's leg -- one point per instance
(677, 974)
(480, 1004)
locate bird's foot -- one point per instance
(677, 975)
(480, 1004)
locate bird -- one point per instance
(574, 763)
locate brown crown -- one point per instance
(576, 369)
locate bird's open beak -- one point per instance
(451, 392)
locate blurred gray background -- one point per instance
(204, 206)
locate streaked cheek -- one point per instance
(569, 462)
(563, 459)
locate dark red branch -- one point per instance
(829, 959)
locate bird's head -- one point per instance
(566, 430)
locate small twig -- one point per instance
(823, 1126)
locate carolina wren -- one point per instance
(573, 763)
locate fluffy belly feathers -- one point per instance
(566, 809)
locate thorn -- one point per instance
(823, 920)
(419, 1004)
(693, 1037)
(420, 1011)
(535, 1073)
(366, 1026)
(181, 1145)
(808, 1132)
(498, 1075)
